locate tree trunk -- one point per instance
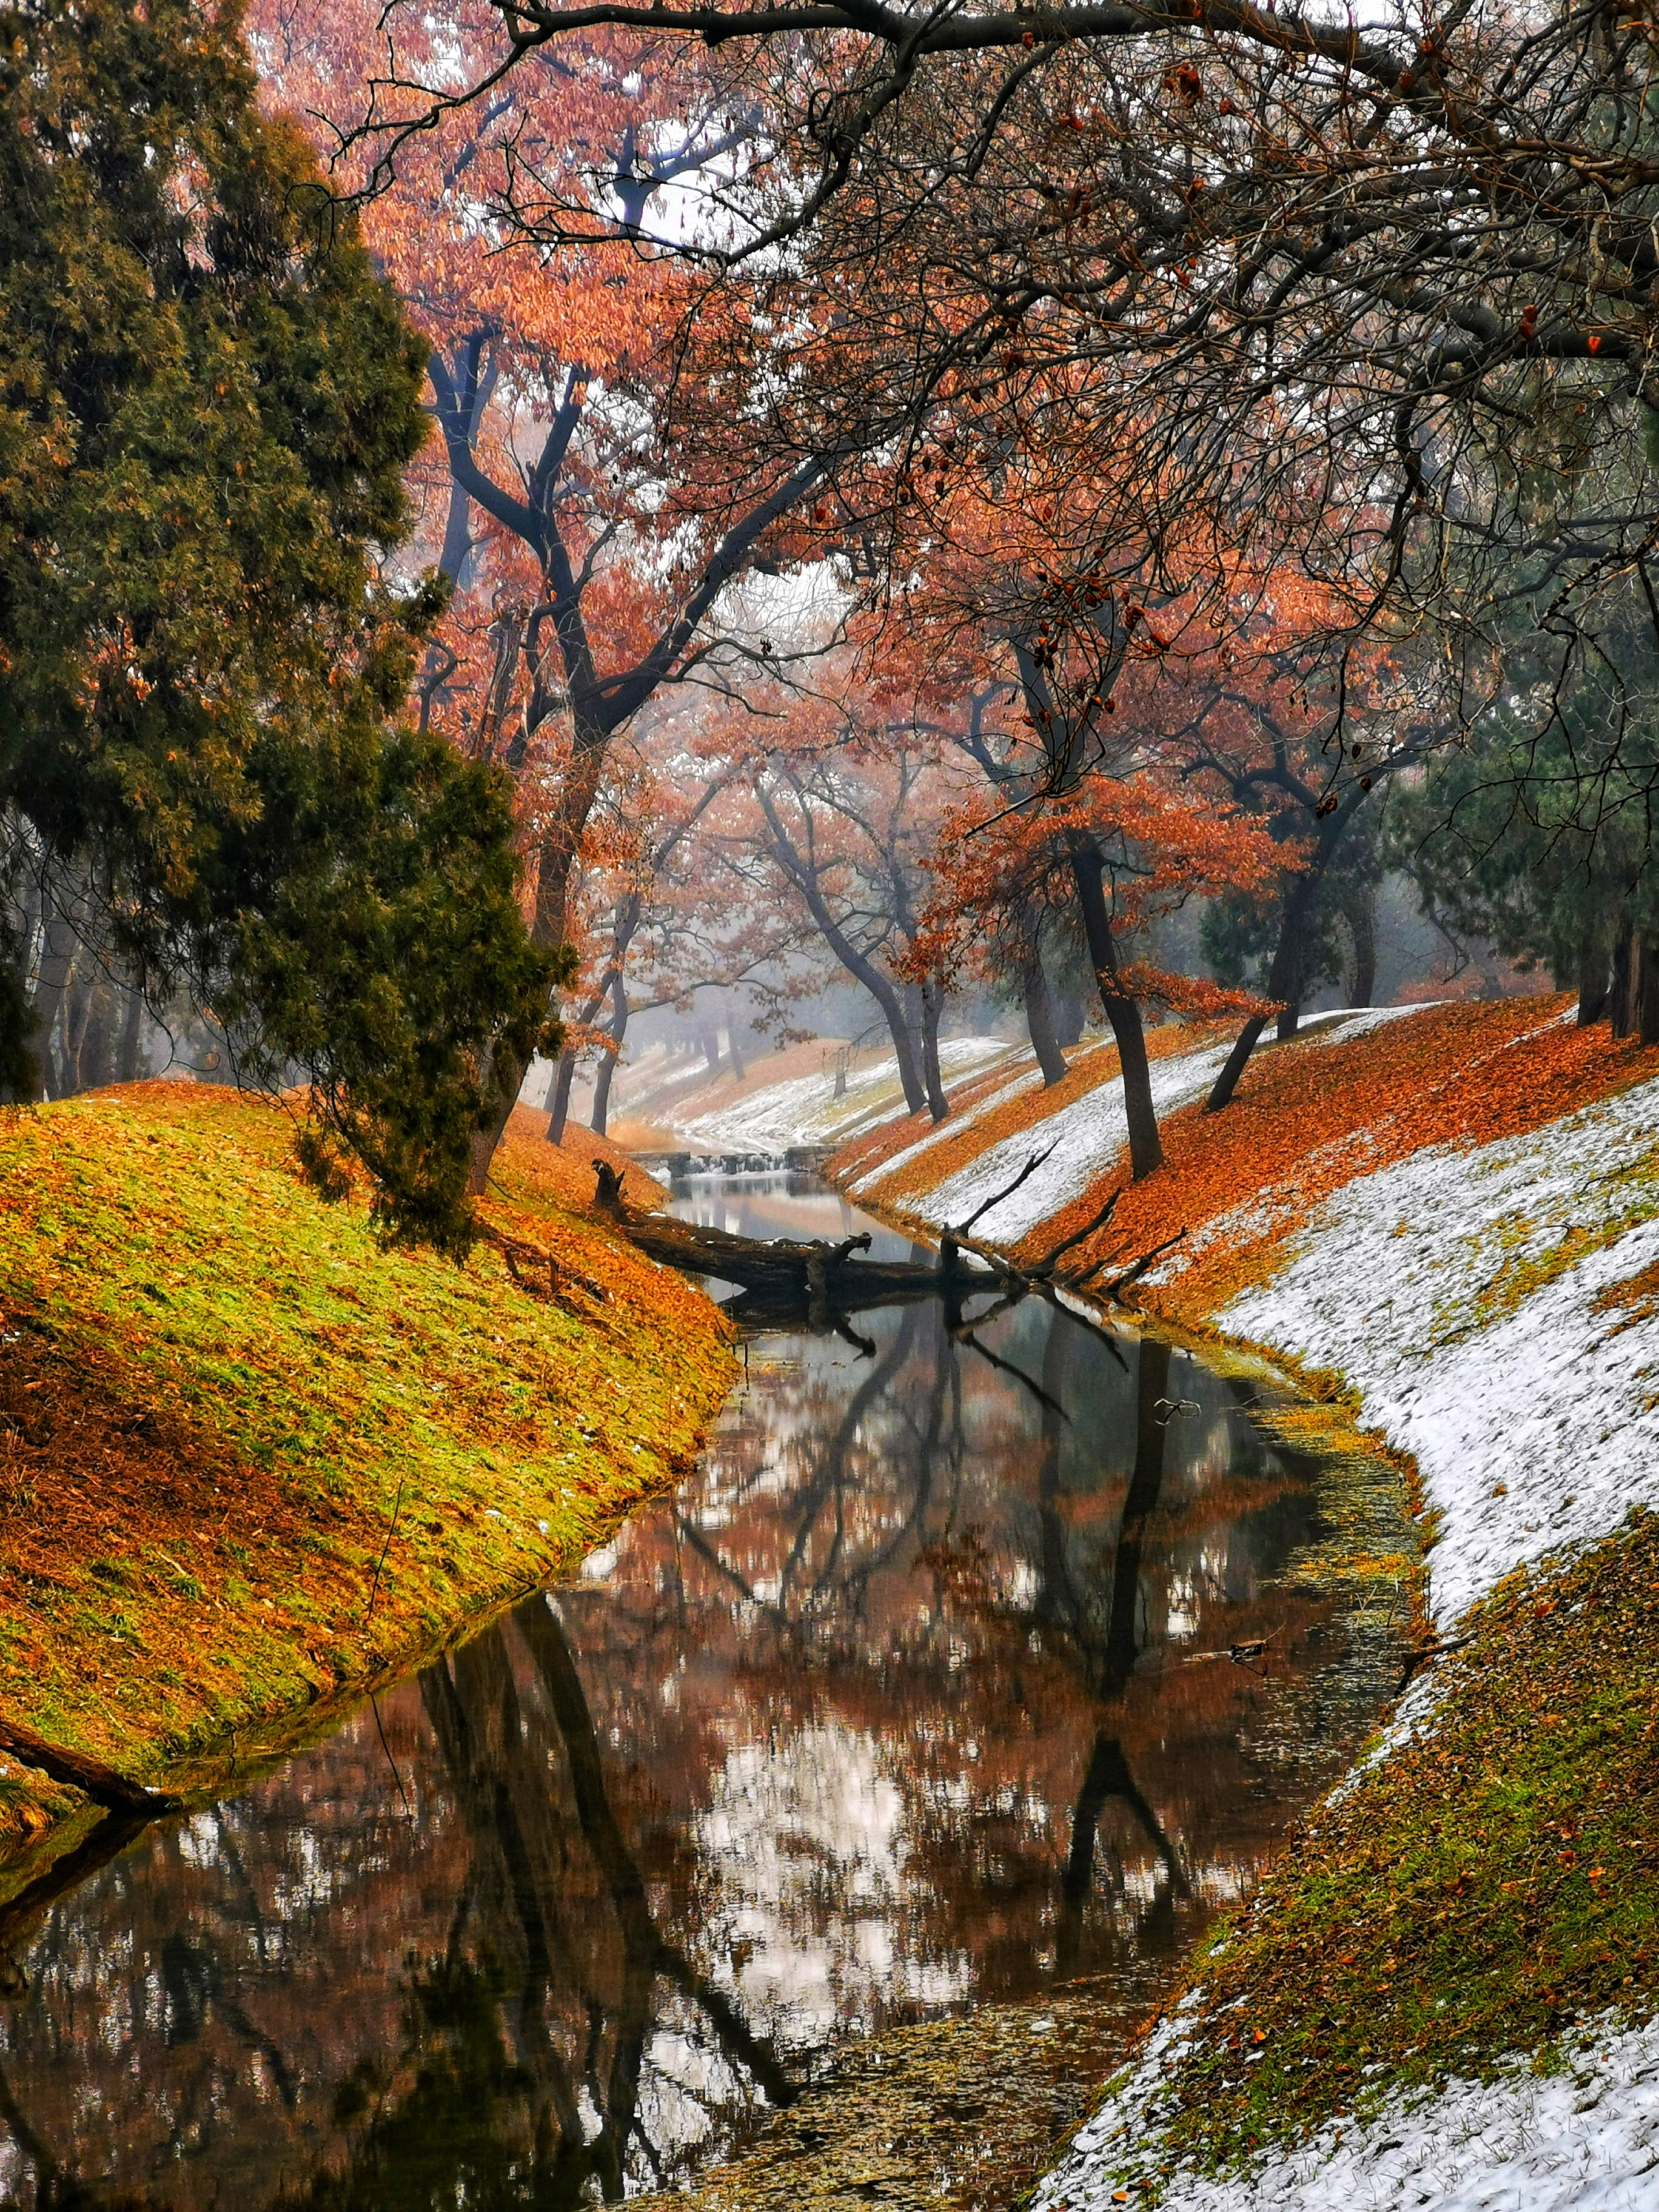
(1239, 1060)
(555, 864)
(1647, 993)
(1626, 963)
(129, 1053)
(932, 1008)
(1039, 1006)
(1146, 1151)
(739, 1071)
(559, 1103)
(1592, 978)
(602, 1093)
(608, 1066)
(711, 1050)
(1285, 976)
(1362, 922)
(94, 1058)
(57, 968)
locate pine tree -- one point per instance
(208, 399)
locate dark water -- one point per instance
(917, 1696)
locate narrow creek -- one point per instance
(935, 1688)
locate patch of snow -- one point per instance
(1585, 2139)
(1086, 1137)
(1027, 1080)
(1534, 1422)
(805, 1111)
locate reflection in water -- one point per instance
(917, 1695)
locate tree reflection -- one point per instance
(886, 1710)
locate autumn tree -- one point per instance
(1425, 227)
(835, 815)
(655, 915)
(210, 399)
(592, 525)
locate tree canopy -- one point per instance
(208, 400)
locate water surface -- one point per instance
(935, 1686)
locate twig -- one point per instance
(1030, 1169)
(1120, 1283)
(375, 1589)
(1046, 1266)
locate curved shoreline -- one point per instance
(253, 1462)
(1490, 1310)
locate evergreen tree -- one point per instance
(207, 401)
(1538, 832)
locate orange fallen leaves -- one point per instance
(1310, 1116)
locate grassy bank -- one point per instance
(1447, 1222)
(248, 1455)
(1487, 1885)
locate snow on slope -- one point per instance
(1465, 1293)
(1028, 1080)
(805, 1111)
(1583, 2140)
(1087, 1136)
(1409, 1282)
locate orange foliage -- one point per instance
(1309, 1117)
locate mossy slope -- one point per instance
(226, 1408)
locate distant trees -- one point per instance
(838, 824)
(1538, 831)
(207, 402)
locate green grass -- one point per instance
(218, 1394)
(1465, 1899)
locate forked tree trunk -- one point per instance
(739, 1071)
(1146, 1151)
(1039, 1006)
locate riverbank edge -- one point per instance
(264, 1512)
(1196, 2104)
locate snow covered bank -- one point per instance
(805, 1111)
(1582, 2139)
(1493, 1309)
(1471, 1298)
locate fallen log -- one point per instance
(89, 1775)
(784, 1269)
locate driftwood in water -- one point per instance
(787, 1271)
(789, 1275)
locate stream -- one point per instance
(972, 1666)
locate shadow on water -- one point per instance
(969, 1664)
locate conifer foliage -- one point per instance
(208, 400)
